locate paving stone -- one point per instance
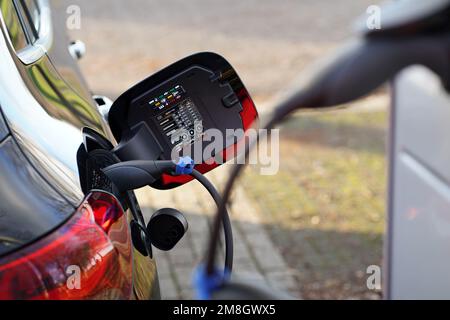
(183, 244)
(162, 263)
(269, 260)
(283, 280)
(168, 289)
(267, 256)
(242, 267)
(187, 294)
(199, 247)
(248, 228)
(198, 225)
(249, 276)
(242, 254)
(183, 275)
(182, 258)
(245, 264)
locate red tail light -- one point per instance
(87, 258)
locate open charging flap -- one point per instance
(194, 103)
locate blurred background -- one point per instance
(314, 228)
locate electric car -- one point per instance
(62, 235)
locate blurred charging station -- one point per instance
(418, 236)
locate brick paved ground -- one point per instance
(255, 255)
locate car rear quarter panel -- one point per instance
(45, 113)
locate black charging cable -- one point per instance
(227, 228)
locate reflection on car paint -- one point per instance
(25, 191)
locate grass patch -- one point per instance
(325, 208)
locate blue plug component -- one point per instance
(184, 166)
(205, 284)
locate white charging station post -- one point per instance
(417, 255)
